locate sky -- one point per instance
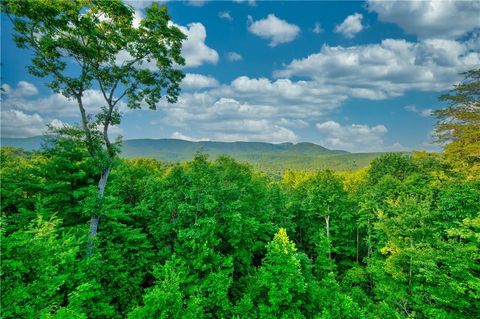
(358, 76)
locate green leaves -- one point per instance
(279, 286)
(458, 124)
(194, 240)
(36, 267)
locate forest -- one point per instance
(88, 234)
(216, 239)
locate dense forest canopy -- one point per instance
(219, 239)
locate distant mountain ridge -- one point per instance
(178, 150)
(148, 147)
(263, 155)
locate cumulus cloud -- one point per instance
(301, 99)
(57, 105)
(251, 130)
(18, 124)
(242, 130)
(194, 49)
(262, 108)
(293, 123)
(274, 29)
(228, 119)
(23, 89)
(430, 19)
(250, 109)
(225, 15)
(198, 81)
(388, 69)
(234, 56)
(354, 137)
(350, 26)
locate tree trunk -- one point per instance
(327, 227)
(102, 183)
(94, 221)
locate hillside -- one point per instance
(265, 156)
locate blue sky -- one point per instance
(359, 76)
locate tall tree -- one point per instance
(81, 44)
(324, 199)
(458, 124)
(278, 290)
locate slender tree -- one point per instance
(83, 44)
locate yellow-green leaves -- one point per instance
(459, 123)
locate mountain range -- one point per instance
(266, 156)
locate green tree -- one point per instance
(279, 288)
(79, 44)
(458, 125)
(19, 187)
(325, 199)
(165, 300)
(37, 268)
(67, 173)
(397, 165)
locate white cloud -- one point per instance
(413, 108)
(181, 136)
(225, 15)
(250, 109)
(226, 119)
(194, 49)
(58, 105)
(274, 29)
(388, 69)
(293, 123)
(350, 26)
(198, 81)
(234, 56)
(317, 28)
(23, 89)
(430, 18)
(354, 137)
(15, 123)
(303, 99)
(250, 130)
